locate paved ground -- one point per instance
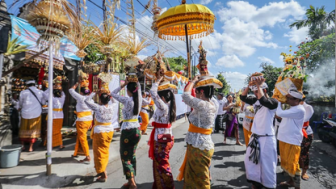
(227, 167)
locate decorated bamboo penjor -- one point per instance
(292, 75)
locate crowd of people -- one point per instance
(288, 141)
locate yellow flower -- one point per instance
(125, 153)
(126, 140)
(290, 46)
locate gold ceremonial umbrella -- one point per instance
(184, 21)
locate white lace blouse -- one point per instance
(161, 114)
(127, 110)
(103, 114)
(145, 102)
(202, 116)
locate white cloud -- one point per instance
(204, 2)
(230, 61)
(265, 59)
(236, 79)
(244, 25)
(142, 57)
(297, 36)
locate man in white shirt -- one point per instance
(290, 137)
(307, 139)
(220, 114)
(31, 101)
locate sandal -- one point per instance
(125, 186)
(101, 179)
(61, 148)
(305, 177)
(286, 184)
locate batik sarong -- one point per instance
(304, 156)
(163, 177)
(82, 146)
(129, 140)
(30, 129)
(196, 174)
(101, 145)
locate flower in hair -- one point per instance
(135, 90)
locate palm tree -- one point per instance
(317, 20)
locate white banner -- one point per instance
(115, 83)
(181, 107)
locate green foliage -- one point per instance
(93, 54)
(14, 47)
(271, 75)
(318, 50)
(226, 87)
(179, 63)
(317, 20)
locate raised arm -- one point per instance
(246, 99)
(90, 103)
(116, 96)
(269, 103)
(156, 98)
(290, 113)
(73, 92)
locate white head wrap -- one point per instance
(295, 93)
(30, 82)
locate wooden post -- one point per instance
(188, 52)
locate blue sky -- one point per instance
(246, 32)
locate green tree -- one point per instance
(271, 75)
(179, 63)
(317, 20)
(226, 87)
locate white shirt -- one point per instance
(103, 114)
(263, 120)
(249, 113)
(58, 103)
(127, 110)
(30, 106)
(81, 105)
(290, 129)
(220, 106)
(161, 114)
(309, 113)
(203, 116)
(16, 104)
(145, 102)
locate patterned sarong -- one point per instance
(304, 156)
(163, 177)
(82, 146)
(101, 145)
(196, 174)
(129, 140)
(30, 129)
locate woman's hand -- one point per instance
(75, 86)
(158, 78)
(196, 78)
(259, 81)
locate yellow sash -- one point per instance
(100, 124)
(130, 120)
(145, 106)
(193, 129)
(83, 114)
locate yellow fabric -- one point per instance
(100, 124)
(197, 174)
(199, 18)
(290, 155)
(82, 146)
(57, 134)
(282, 98)
(210, 81)
(249, 118)
(83, 114)
(193, 129)
(166, 86)
(130, 120)
(145, 121)
(101, 145)
(30, 128)
(247, 135)
(56, 110)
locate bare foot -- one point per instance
(239, 143)
(30, 150)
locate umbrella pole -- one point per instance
(50, 110)
(188, 53)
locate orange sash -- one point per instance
(98, 123)
(305, 126)
(193, 129)
(83, 114)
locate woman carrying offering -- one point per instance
(161, 140)
(102, 131)
(57, 116)
(130, 131)
(231, 123)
